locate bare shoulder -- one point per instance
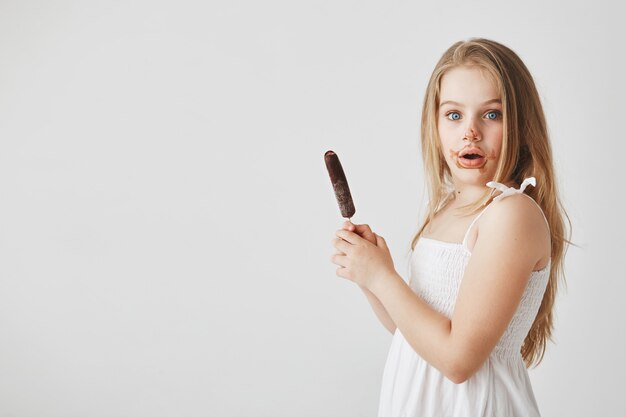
(519, 221)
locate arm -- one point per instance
(427, 331)
(380, 310)
(365, 232)
(511, 241)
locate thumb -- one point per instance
(366, 233)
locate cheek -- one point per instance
(494, 142)
(446, 140)
(497, 135)
(443, 130)
(453, 155)
(496, 148)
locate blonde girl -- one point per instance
(477, 310)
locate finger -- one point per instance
(365, 232)
(338, 252)
(348, 236)
(380, 241)
(342, 272)
(362, 228)
(341, 245)
(348, 225)
(340, 260)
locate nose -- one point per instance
(470, 134)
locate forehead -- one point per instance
(467, 85)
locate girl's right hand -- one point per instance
(362, 230)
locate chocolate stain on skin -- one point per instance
(454, 155)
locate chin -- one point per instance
(473, 176)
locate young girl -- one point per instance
(477, 310)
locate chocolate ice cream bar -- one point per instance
(340, 184)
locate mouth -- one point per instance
(471, 158)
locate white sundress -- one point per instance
(411, 387)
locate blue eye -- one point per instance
(497, 113)
(452, 112)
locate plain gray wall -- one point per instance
(166, 215)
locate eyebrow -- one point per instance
(493, 100)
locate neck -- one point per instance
(465, 194)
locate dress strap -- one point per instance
(470, 227)
(506, 191)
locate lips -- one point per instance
(471, 158)
(472, 152)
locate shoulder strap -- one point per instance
(472, 224)
(507, 191)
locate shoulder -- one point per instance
(519, 219)
(517, 208)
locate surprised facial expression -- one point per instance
(470, 124)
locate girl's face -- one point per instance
(469, 121)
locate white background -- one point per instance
(166, 216)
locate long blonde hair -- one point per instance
(526, 152)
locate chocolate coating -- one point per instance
(340, 184)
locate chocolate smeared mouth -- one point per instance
(471, 156)
(472, 151)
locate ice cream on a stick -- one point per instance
(340, 184)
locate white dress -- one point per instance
(411, 387)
